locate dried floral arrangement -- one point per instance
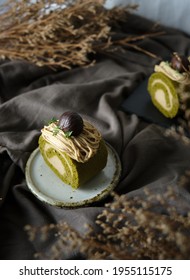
(181, 130)
(129, 228)
(61, 33)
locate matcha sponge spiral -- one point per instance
(164, 94)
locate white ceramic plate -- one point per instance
(47, 187)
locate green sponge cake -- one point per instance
(163, 92)
(73, 149)
(167, 83)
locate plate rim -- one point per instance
(86, 202)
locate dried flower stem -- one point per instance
(63, 37)
(129, 228)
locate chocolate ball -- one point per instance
(180, 63)
(71, 122)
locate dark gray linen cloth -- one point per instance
(30, 96)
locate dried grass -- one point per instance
(61, 33)
(148, 227)
(181, 129)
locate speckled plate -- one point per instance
(47, 187)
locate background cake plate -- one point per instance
(47, 187)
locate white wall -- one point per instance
(172, 13)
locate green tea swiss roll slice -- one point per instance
(69, 170)
(164, 95)
(169, 83)
(73, 149)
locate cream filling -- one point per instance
(160, 95)
(166, 69)
(80, 148)
(57, 163)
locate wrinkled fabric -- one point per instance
(30, 96)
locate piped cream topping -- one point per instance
(80, 148)
(165, 68)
